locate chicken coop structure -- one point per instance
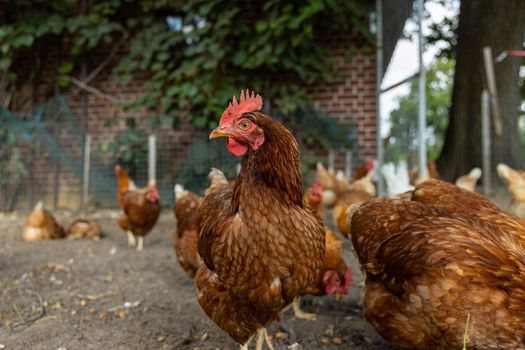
(61, 144)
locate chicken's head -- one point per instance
(335, 284)
(239, 124)
(153, 193)
(315, 192)
(369, 164)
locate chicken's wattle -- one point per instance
(236, 148)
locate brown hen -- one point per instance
(262, 246)
(437, 261)
(358, 191)
(186, 236)
(41, 225)
(141, 208)
(84, 228)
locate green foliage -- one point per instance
(129, 148)
(213, 48)
(200, 159)
(403, 142)
(13, 164)
(26, 26)
(197, 53)
(444, 33)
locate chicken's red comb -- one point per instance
(247, 103)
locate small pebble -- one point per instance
(2, 346)
(160, 338)
(280, 336)
(121, 314)
(329, 332)
(325, 340)
(337, 341)
(205, 336)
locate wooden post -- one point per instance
(87, 165)
(491, 82)
(486, 143)
(152, 157)
(348, 163)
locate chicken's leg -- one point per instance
(262, 337)
(267, 340)
(300, 313)
(140, 244)
(245, 345)
(131, 239)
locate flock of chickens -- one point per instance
(443, 265)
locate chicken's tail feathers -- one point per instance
(217, 176)
(39, 205)
(503, 171)
(179, 191)
(476, 173)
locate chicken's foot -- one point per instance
(131, 239)
(299, 313)
(140, 244)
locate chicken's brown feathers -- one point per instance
(185, 238)
(261, 244)
(435, 259)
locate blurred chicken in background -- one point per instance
(84, 228)
(515, 181)
(141, 208)
(42, 225)
(468, 182)
(186, 236)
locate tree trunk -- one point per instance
(501, 26)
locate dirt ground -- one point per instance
(85, 294)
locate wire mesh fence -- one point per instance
(48, 155)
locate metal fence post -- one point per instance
(486, 143)
(331, 160)
(348, 163)
(152, 157)
(422, 121)
(85, 175)
(379, 78)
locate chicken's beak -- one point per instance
(218, 133)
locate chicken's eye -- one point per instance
(244, 125)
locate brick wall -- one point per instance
(350, 98)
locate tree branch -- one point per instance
(82, 85)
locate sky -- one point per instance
(404, 62)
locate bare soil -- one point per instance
(85, 294)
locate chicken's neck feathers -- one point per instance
(274, 167)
